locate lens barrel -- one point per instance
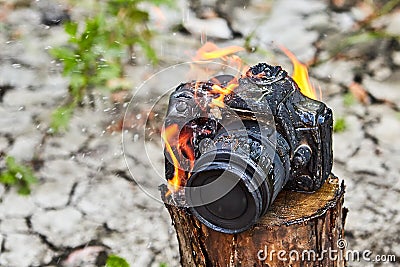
(229, 191)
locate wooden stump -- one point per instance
(300, 229)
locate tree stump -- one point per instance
(300, 229)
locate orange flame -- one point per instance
(212, 51)
(179, 144)
(166, 136)
(182, 142)
(186, 147)
(300, 75)
(223, 92)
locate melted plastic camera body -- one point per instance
(242, 140)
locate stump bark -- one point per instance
(300, 229)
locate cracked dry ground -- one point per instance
(86, 204)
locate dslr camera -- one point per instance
(239, 142)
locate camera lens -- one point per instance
(221, 194)
(229, 190)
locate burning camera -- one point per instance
(231, 145)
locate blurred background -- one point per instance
(77, 75)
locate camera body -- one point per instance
(240, 141)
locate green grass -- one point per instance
(99, 48)
(17, 175)
(340, 125)
(116, 261)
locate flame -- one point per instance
(182, 143)
(179, 144)
(186, 147)
(223, 92)
(212, 51)
(166, 136)
(300, 75)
